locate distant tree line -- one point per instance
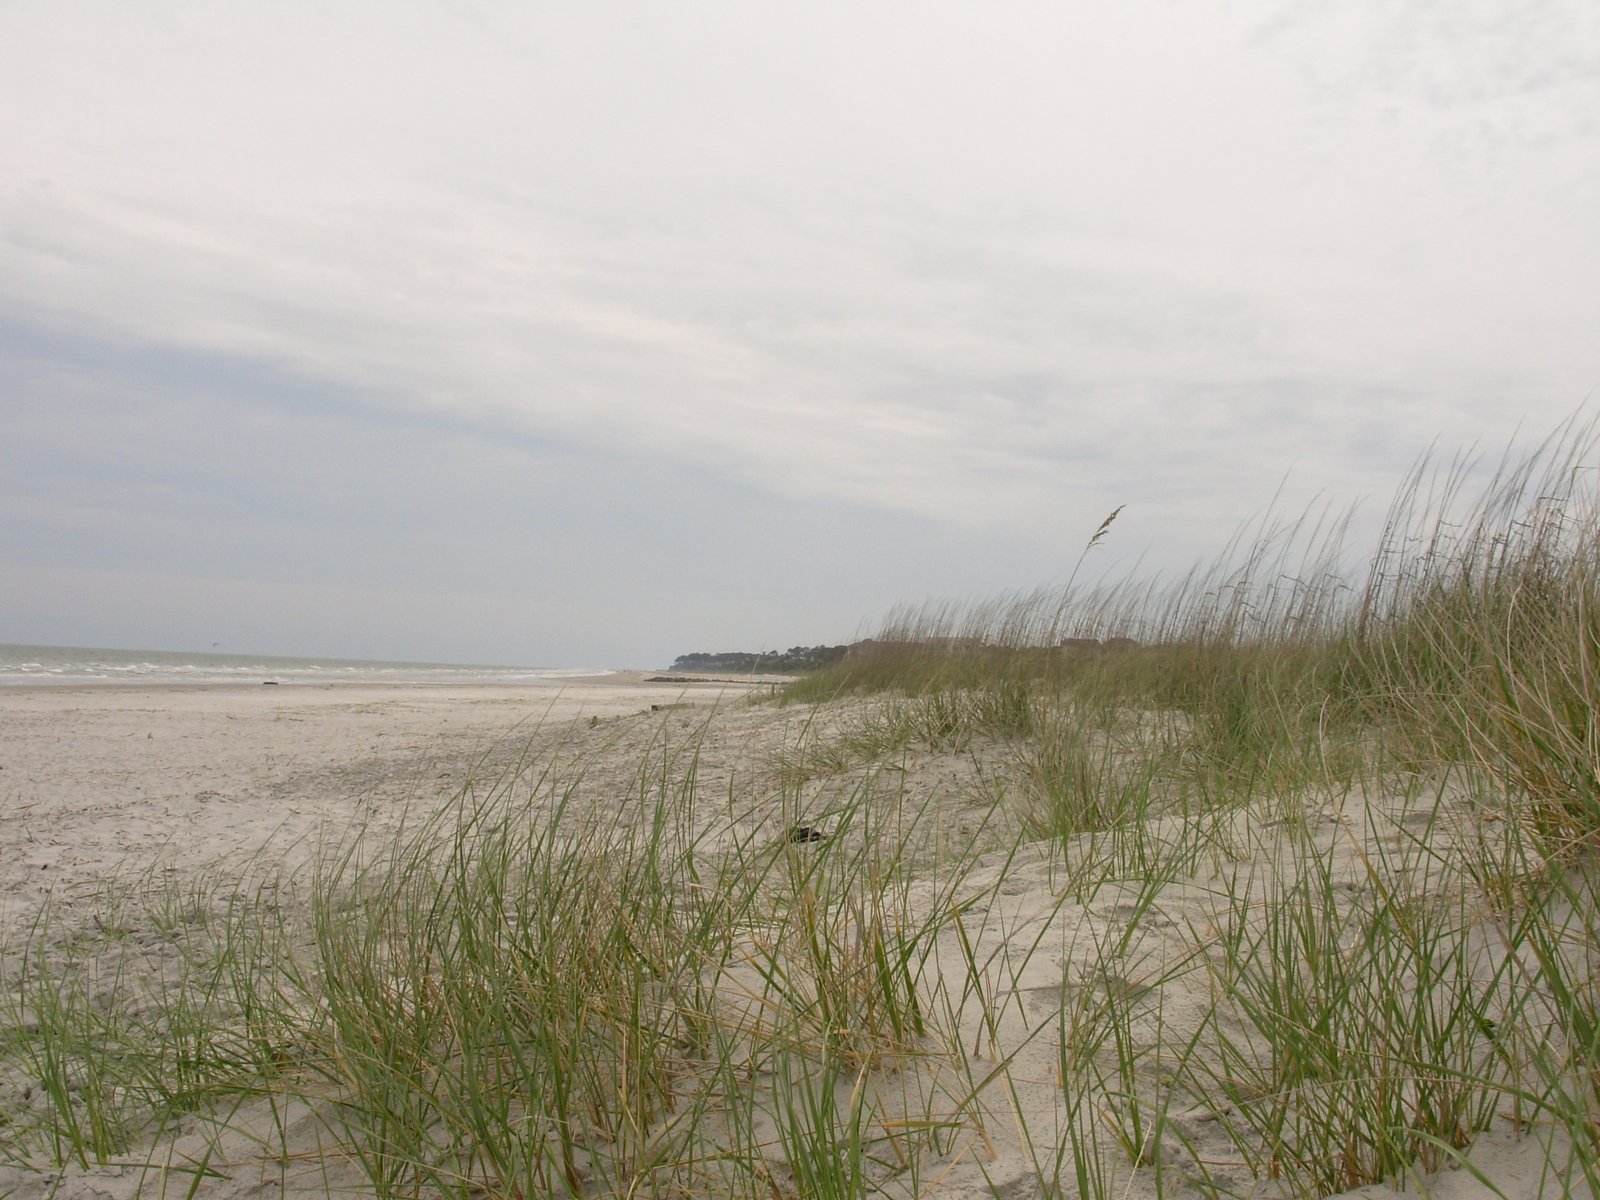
(792, 661)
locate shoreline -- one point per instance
(606, 679)
(602, 679)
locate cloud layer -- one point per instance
(979, 271)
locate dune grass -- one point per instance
(1293, 887)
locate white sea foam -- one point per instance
(66, 665)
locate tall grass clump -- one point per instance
(1464, 646)
(1480, 620)
(1470, 632)
(517, 997)
(1548, 923)
(535, 996)
(228, 1016)
(1351, 1048)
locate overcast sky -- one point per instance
(590, 334)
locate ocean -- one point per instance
(31, 666)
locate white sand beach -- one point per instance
(97, 782)
(108, 795)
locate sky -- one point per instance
(591, 334)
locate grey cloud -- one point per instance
(920, 274)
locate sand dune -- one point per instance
(113, 798)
